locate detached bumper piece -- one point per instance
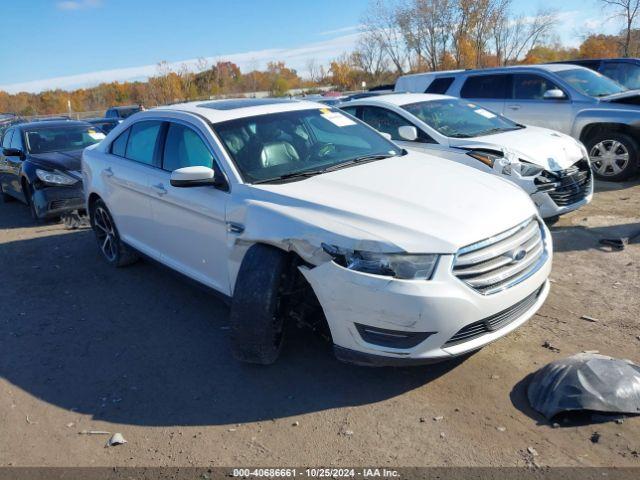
(494, 322)
(566, 187)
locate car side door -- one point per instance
(488, 90)
(528, 105)
(190, 221)
(6, 143)
(132, 158)
(14, 165)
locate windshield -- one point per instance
(268, 147)
(460, 119)
(590, 83)
(61, 138)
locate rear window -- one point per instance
(485, 86)
(439, 85)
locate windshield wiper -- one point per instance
(310, 173)
(292, 175)
(357, 160)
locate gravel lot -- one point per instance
(142, 352)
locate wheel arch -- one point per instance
(591, 130)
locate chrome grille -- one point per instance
(500, 262)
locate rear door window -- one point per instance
(439, 85)
(142, 145)
(119, 145)
(485, 86)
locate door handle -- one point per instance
(513, 107)
(107, 172)
(159, 189)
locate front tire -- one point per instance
(113, 250)
(613, 156)
(6, 198)
(257, 317)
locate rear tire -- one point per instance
(112, 249)
(613, 156)
(257, 318)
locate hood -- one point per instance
(630, 97)
(65, 161)
(546, 148)
(416, 203)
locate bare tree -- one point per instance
(380, 22)
(627, 9)
(370, 57)
(513, 37)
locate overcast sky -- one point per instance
(77, 43)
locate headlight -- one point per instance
(55, 178)
(485, 157)
(529, 169)
(404, 266)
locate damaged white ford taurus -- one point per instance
(295, 211)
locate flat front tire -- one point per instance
(613, 156)
(257, 318)
(112, 249)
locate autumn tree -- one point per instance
(627, 10)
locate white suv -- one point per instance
(293, 210)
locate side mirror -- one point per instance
(385, 135)
(12, 152)
(193, 177)
(408, 132)
(554, 94)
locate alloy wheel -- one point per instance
(106, 234)
(609, 157)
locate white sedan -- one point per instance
(295, 211)
(550, 166)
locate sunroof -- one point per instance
(243, 103)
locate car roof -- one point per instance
(101, 119)
(398, 99)
(216, 111)
(52, 123)
(550, 67)
(124, 107)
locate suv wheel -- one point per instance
(257, 317)
(614, 156)
(113, 250)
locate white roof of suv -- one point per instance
(398, 99)
(217, 111)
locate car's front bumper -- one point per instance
(441, 307)
(51, 201)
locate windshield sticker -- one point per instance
(485, 113)
(96, 135)
(337, 118)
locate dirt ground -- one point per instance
(141, 352)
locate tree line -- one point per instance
(397, 37)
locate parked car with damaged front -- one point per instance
(294, 211)
(551, 167)
(40, 165)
